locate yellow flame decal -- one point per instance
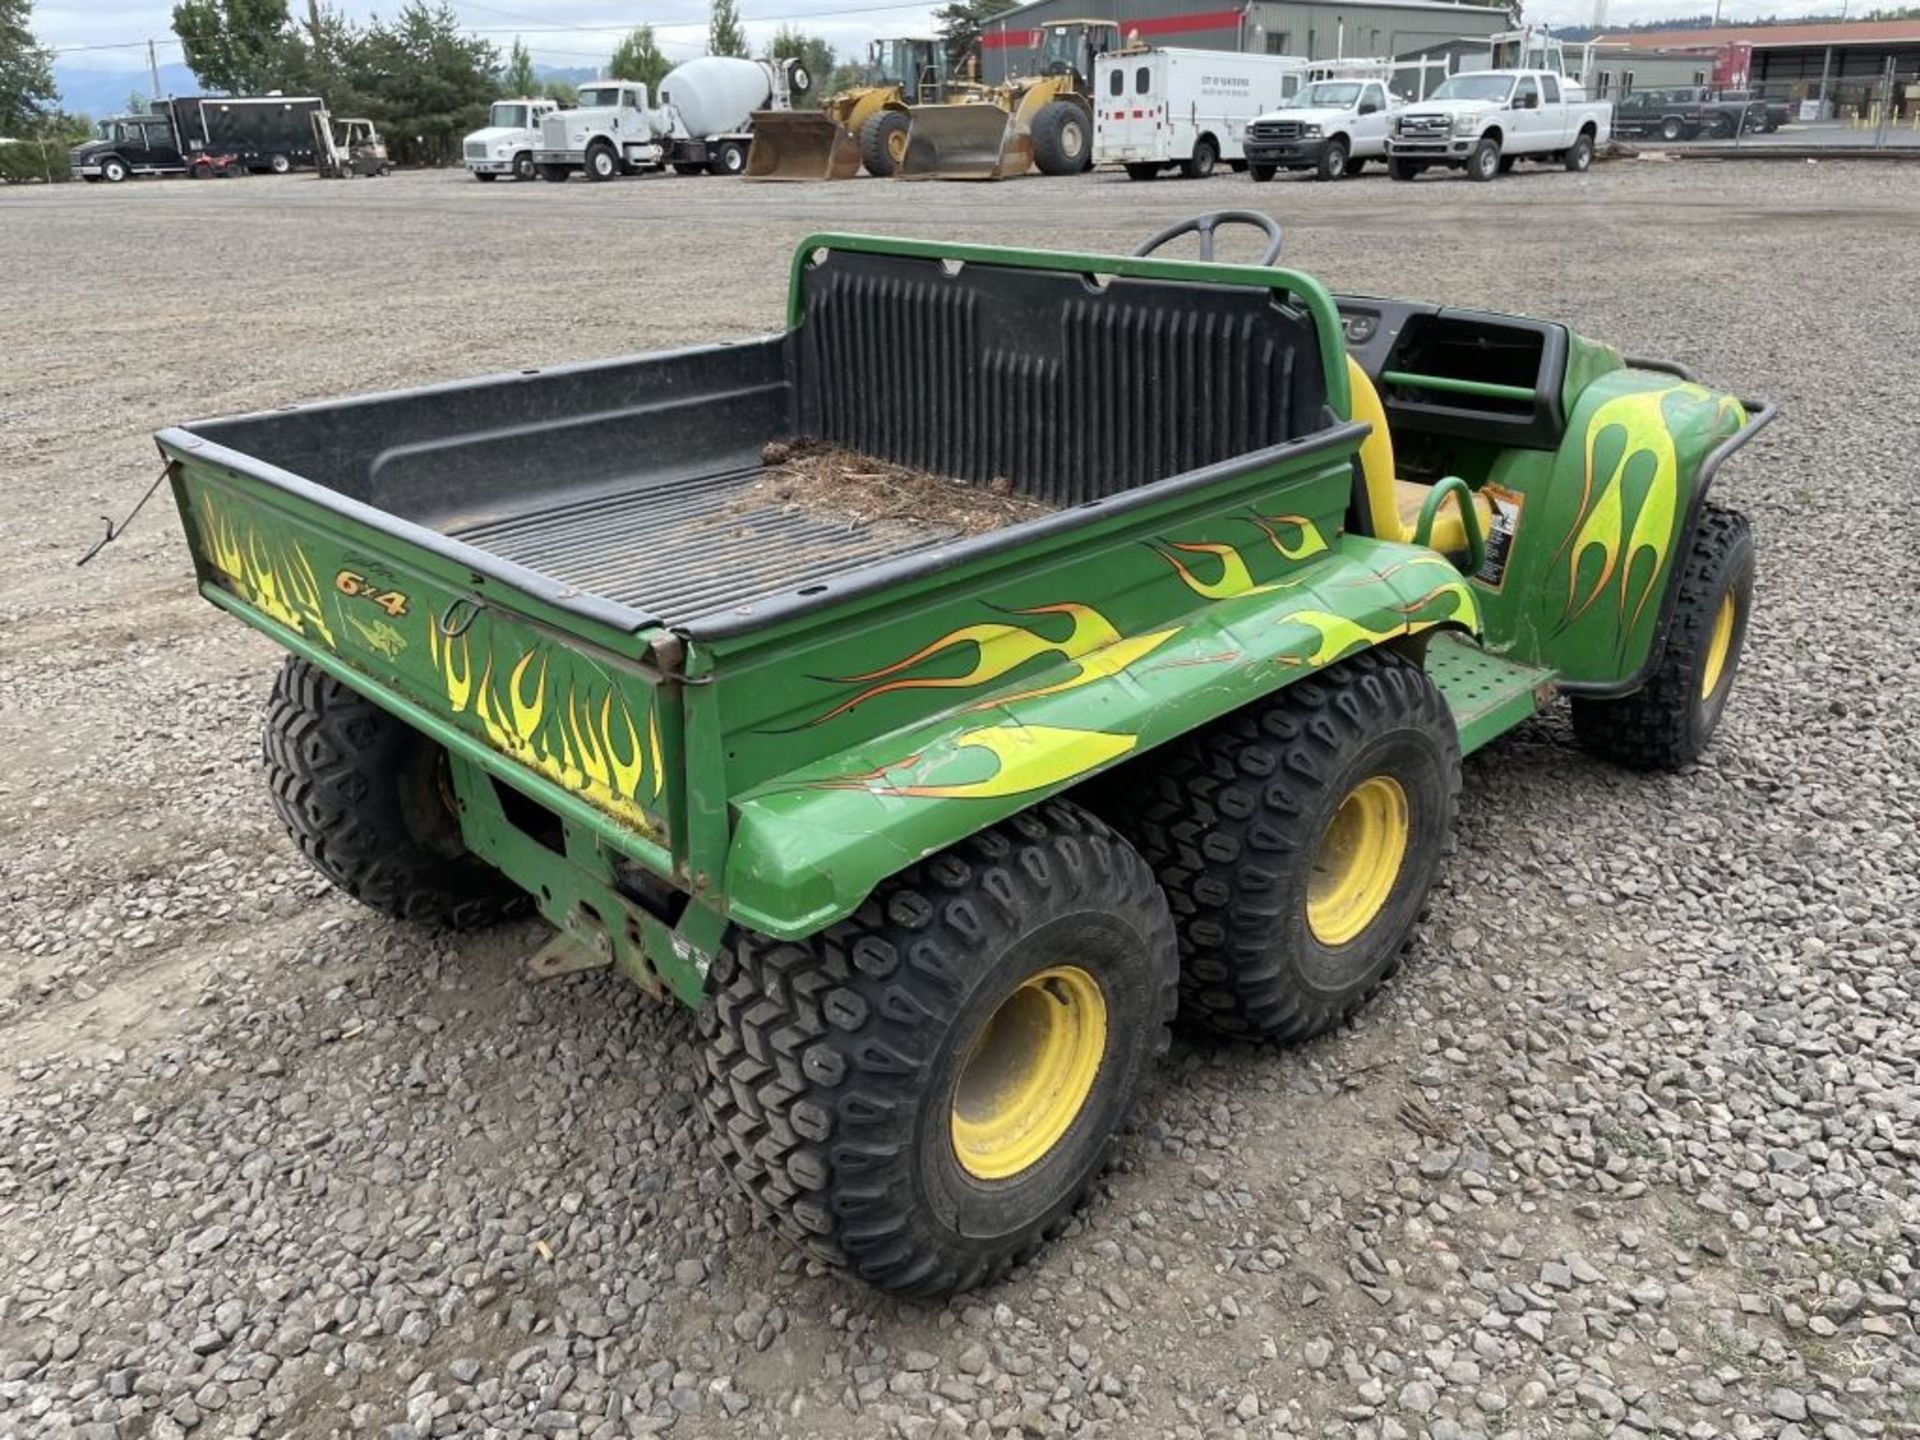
(1103, 664)
(1600, 522)
(1311, 541)
(1000, 648)
(582, 738)
(1236, 579)
(1338, 635)
(274, 576)
(1027, 757)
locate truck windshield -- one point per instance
(1475, 87)
(600, 97)
(508, 117)
(1325, 95)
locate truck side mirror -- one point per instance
(1367, 107)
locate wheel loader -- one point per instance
(1044, 119)
(865, 127)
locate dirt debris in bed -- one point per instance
(829, 481)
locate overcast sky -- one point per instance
(580, 32)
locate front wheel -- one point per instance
(1333, 161)
(1668, 723)
(925, 1092)
(883, 142)
(368, 800)
(1062, 138)
(1199, 165)
(522, 166)
(113, 170)
(1261, 173)
(1297, 840)
(602, 163)
(1484, 163)
(1579, 158)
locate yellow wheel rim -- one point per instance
(1029, 1073)
(897, 145)
(1358, 860)
(1719, 646)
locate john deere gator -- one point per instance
(941, 833)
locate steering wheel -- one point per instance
(1205, 225)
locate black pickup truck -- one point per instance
(1688, 112)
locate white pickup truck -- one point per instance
(506, 145)
(1483, 121)
(1332, 127)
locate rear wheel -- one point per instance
(1484, 163)
(1148, 172)
(279, 164)
(1333, 160)
(1404, 169)
(1297, 840)
(883, 142)
(368, 801)
(1670, 721)
(1261, 173)
(729, 158)
(925, 1092)
(1579, 157)
(1670, 129)
(1062, 138)
(1199, 165)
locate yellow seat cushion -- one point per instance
(1449, 534)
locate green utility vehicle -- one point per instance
(939, 830)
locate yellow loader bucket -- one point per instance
(800, 145)
(964, 142)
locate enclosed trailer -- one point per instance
(264, 132)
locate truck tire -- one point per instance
(113, 170)
(1579, 156)
(602, 162)
(522, 166)
(925, 1092)
(1062, 138)
(555, 173)
(1199, 165)
(1404, 169)
(1261, 173)
(1147, 172)
(1668, 723)
(1671, 129)
(1333, 160)
(729, 158)
(1484, 163)
(1297, 840)
(365, 798)
(1721, 127)
(883, 142)
(279, 164)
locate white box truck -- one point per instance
(1158, 108)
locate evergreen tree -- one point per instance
(26, 72)
(519, 78)
(725, 34)
(640, 58)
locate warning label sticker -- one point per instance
(1506, 521)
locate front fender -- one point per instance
(811, 844)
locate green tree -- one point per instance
(519, 78)
(26, 72)
(639, 58)
(961, 23)
(42, 157)
(810, 50)
(241, 46)
(725, 34)
(421, 79)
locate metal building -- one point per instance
(1842, 67)
(1314, 29)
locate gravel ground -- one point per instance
(1633, 1142)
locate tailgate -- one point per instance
(567, 711)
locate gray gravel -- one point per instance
(1634, 1143)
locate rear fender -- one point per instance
(811, 844)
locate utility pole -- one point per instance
(153, 69)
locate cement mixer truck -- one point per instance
(700, 122)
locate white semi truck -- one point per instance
(506, 144)
(702, 120)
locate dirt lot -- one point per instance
(1634, 1141)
